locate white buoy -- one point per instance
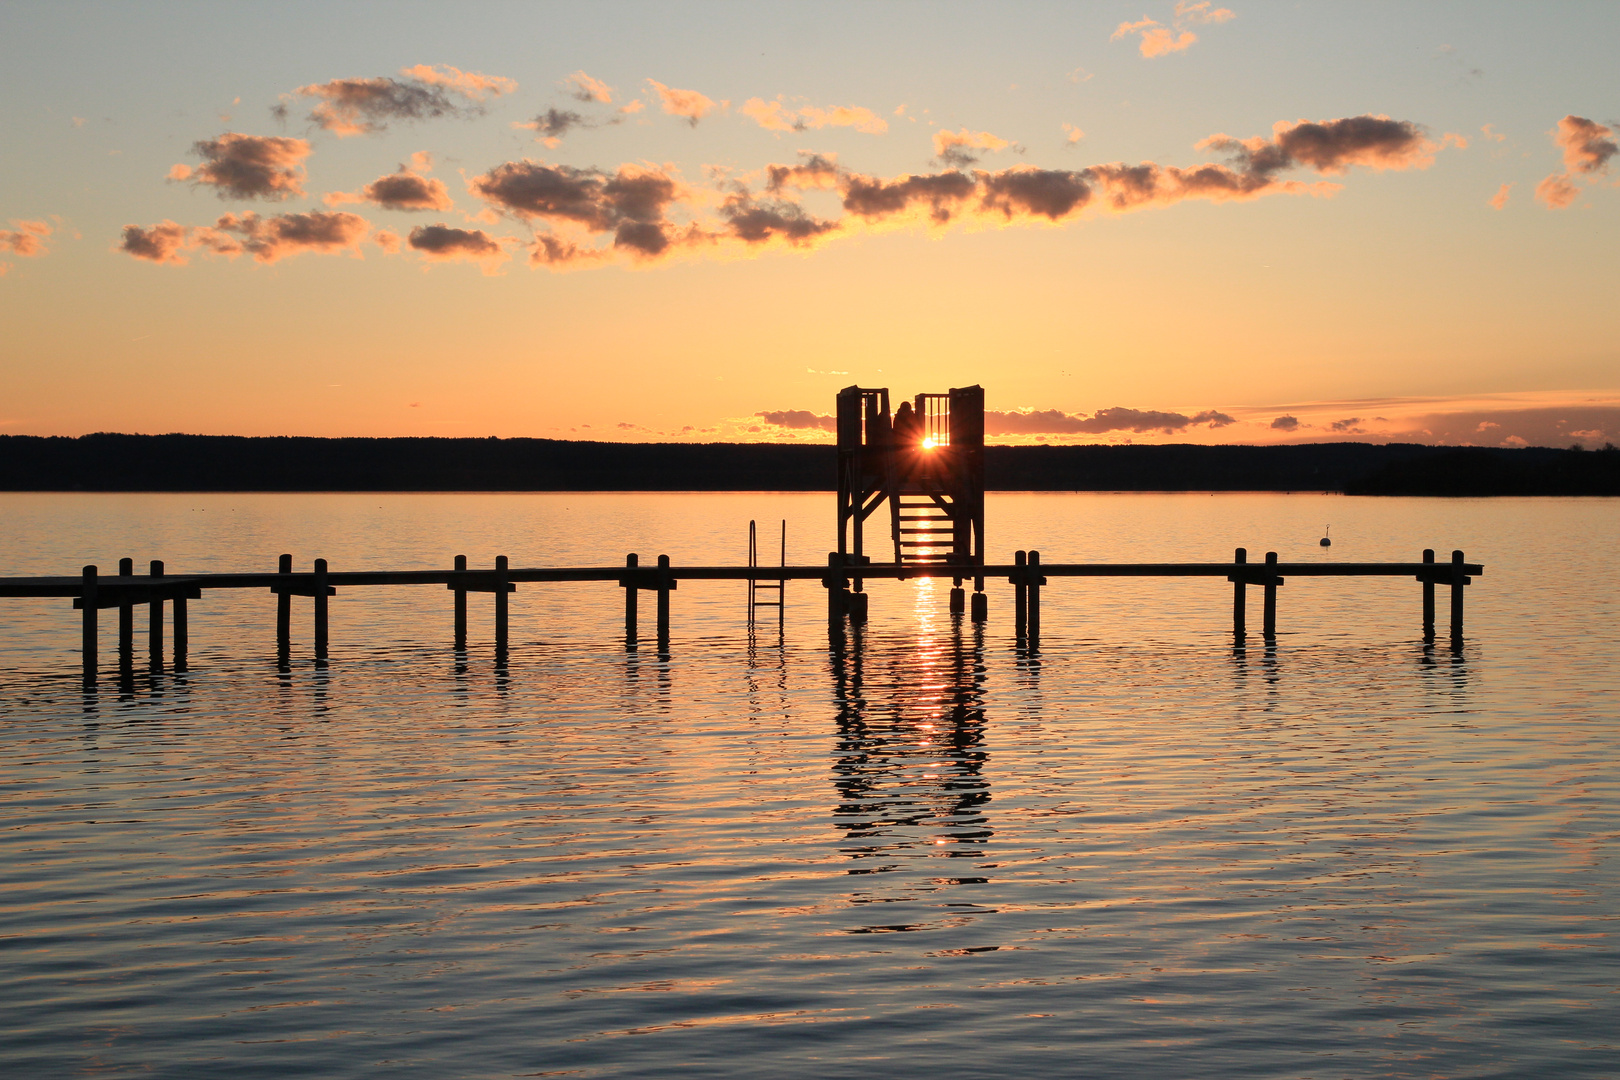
(1325, 542)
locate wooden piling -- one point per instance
(1428, 599)
(320, 609)
(501, 595)
(981, 604)
(126, 618)
(1269, 627)
(460, 593)
(663, 601)
(284, 607)
(631, 561)
(182, 634)
(835, 588)
(1035, 582)
(958, 601)
(1458, 580)
(1020, 595)
(154, 622)
(89, 637)
(1240, 615)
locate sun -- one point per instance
(929, 443)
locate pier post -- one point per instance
(663, 603)
(1428, 599)
(1269, 627)
(1457, 583)
(500, 603)
(1035, 582)
(1240, 615)
(154, 623)
(88, 640)
(460, 595)
(284, 607)
(980, 604)
(631, 561)
(126, 619)
(1020, 595)
(320, 609)
(835, 588)
(182, 634)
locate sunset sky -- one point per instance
(1145, 221)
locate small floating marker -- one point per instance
(1326, 541)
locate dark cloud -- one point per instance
(444, 243)
(362, 106)
(1350, 425)
(403, 190)
(1214, 419)
(282, 235)
(755, 222)
(532, 190)
(1330, 146)
(1023, 192)
(248, 166)
(873, 198)
(800, 419)
(1285, 423)
(551, 125)
(162, 243)
(815, 171)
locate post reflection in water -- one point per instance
(910, 757)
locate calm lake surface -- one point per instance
(926, 853)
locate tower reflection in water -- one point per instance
(910, 757)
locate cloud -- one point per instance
(755, 221)
(550, 126)
(1349, 426)
(775, 116)
(689, 104)
(1072, 135)
(266, 239)
(1161, 40)
(533, 190)
(1556, 191)
(26, 240)
(956, 148)
(1057, 422)
(470, 84)
(1587, 145)
(813, 172)
(402, 190)
(581, 87)
(362, 106)
(1332, 146)
(442, 243)
(800, 419)
(1500, 199)
(277, 237)
(248, 166)
(1285, 423)
(1494, 136)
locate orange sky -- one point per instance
(1180, 223)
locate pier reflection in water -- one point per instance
(910, 758)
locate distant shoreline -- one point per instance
(198, 463)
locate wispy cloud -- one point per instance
(1500, 199)
(777, 116)
(687, 104)
(27, 238)
(1588, 147)
(425, 92)
(581, 87)
(1157, 39)
(958, 148)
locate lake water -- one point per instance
(925, 853)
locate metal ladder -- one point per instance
(775, 592)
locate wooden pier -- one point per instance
(843, 578)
